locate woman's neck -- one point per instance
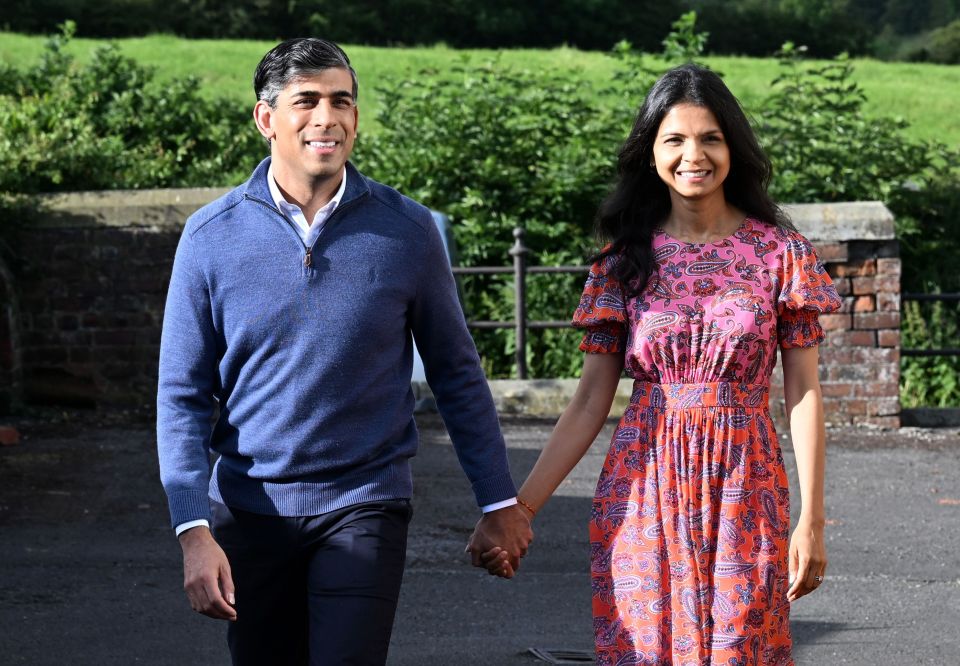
(702, 221)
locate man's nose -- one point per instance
(323, 115)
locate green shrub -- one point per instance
(107, 125)
(496, 148)
(945, 44)
(930, 381)
(824, 149)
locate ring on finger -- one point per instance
(819, 579)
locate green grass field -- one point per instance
(927, 96)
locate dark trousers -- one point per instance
(318, 590)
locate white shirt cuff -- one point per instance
(499, 505)
(183, 527)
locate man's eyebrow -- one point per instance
(317, 93)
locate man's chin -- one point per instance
(326, 170)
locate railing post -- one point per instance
(518, 252)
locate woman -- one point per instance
(703, 278)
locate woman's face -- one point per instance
(690, 153)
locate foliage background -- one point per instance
(499, 145)
(891, 29)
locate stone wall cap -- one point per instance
(843, 221)
(155, 209)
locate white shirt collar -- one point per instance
(294, 210)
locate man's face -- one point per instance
(313, 126)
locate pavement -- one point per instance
(90, 572)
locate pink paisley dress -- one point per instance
(690, 525)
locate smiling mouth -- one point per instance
(322, 144)
(694, 174)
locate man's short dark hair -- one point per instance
(294, 59)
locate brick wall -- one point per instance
(860, 358)
(10, 367)
(91, 273)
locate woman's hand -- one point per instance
(808, 559)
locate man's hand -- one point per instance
(206, 575)
(508, 532)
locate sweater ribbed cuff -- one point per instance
(494, 489)
(188, 505)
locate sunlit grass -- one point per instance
(926, 95)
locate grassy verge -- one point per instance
(927, 96)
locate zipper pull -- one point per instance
(307, 259)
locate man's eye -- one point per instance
(342, 103)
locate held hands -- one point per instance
(206, 575)
(499, 540)
(808, 559)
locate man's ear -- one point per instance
(263, 117)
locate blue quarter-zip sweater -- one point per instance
(308, 353)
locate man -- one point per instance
(291, 307)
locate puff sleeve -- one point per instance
(806, 292)
(602, 311)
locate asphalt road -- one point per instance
(90, 571)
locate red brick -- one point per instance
(852, 373)
(877, 320)
(864, 304)
(863, 285)
(834, 322)
(864, 267)
(837, 420)
(855, 407)
(842, 286)
(9, 436)
(836, 356)
(888, 338)
(837, 389)
(877, 389)
(44, 356)
(889, 267)
(80, 355)
(887, 406)
(888, 283)
(875, 355)
(879, 421)
(887, 302)
(115, 337)
(842, 338)
(68, 323)
(832, 252)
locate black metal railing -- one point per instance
(943, 298)
(520, 270)
(521, 325)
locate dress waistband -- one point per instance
(681, 395)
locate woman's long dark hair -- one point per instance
(640, 201)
